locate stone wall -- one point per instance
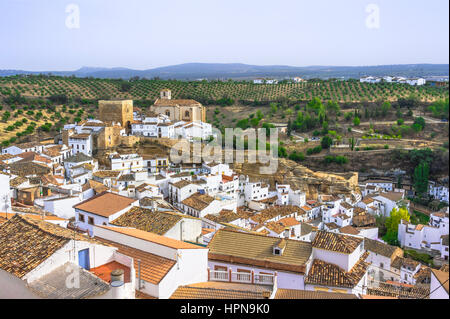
(120, 111)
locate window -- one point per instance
(220, 268)
(276, 251)
(381, 265)
(81, 218)
(91, 220)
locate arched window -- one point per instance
(186, 114)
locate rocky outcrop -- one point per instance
(302, 178)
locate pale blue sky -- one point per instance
(143, 34)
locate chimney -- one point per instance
(118, 289)
(117, 275)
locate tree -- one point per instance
(392, 222)
(419, 122)
(421, 173)
(125, 86)
(325, 127)
(385, 108)
(397, 214)
(356, 121)
(273, 108)
(289, 128)
(326, 142)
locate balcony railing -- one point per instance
(241, 277)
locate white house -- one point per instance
(5, 193)
(416, 81)
(421, 236)
(164, 223)
(81, 143)
(22, 148)
(101, 210)
(381, 257)
(339, 264)
(389, 201)
(370, 79)
(251, 258)
(200, 205)
(126, 163)
(165, 263)
(53, 255)
(439, 192)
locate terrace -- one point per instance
(242, 277)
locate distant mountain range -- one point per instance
(194, 71)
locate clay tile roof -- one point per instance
(175, 102)
(106, 174)
(78, 157)
(393, 196)
(82, 136)
(224, 216)
(145, 219)
(226, 178)
(198, 201)
(327, 274)
(254, 249)
(332, 226)
(105, 204)
(153, 267)
(221, 290)
(275, 227)
(26, 242)
(349, 230)
(289, 221)
(53, 151)
(181, 184)
(398, 290)
(32, 156)
(379, 247)
(307, 294)
(346, 205)
(24, 169)
(336, 242)
(363, 220)
(154, 238)
(368, 200)
(17, 181)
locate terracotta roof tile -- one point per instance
(147, 220)
(105, 204)
(25, 243)
(153, 268)
(336, 242)
(327, 274)
(221, 290)
(198, 201)
(307, 294)
(254, 249)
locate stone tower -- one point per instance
(118, 111)
(166, 94)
